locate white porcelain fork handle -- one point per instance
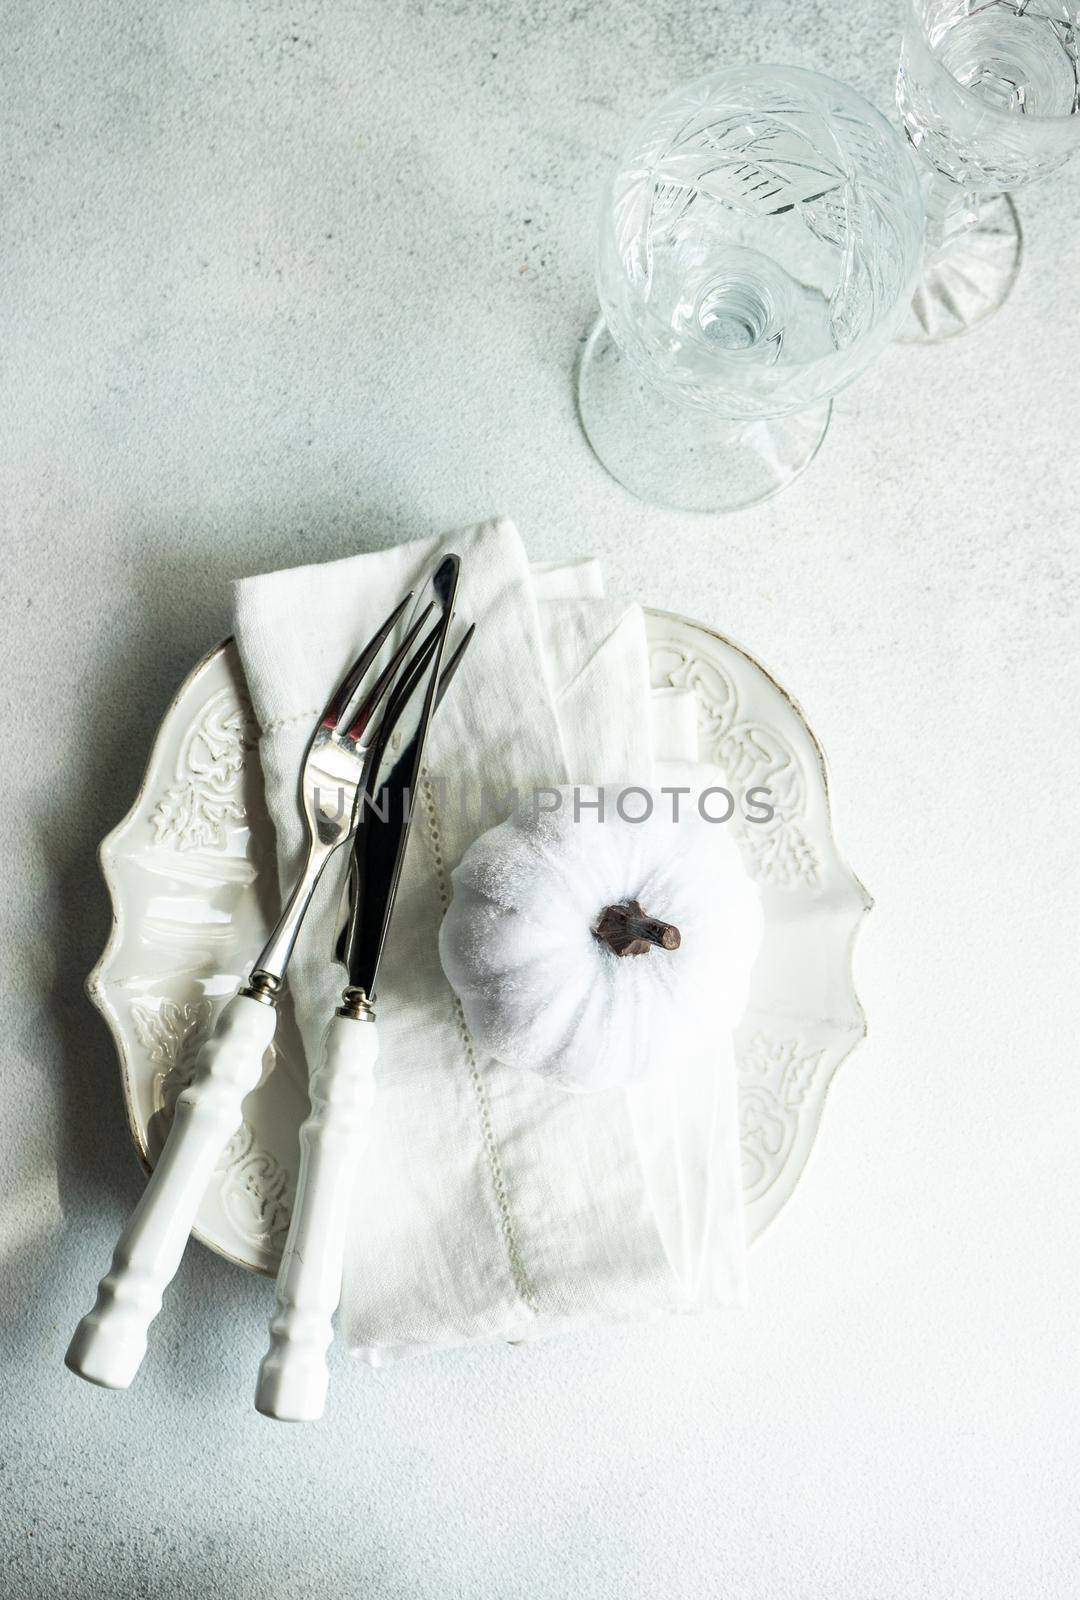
(294, 1376)
(110, 1341)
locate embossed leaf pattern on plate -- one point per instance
(751, 754)
(207, 792)
(775, 1078)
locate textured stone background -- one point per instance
(283, 281)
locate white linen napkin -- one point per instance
(489, 1204)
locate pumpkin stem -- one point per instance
(628, 931)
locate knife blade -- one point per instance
(388, 799)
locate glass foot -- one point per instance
(689, 460)
(969, 279)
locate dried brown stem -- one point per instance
(627, 930)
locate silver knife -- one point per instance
(294, 1377)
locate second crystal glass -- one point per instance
(759, 242)
(989, 94)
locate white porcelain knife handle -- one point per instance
(293, 1377)
(110, 1341)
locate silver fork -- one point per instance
(109, 1343)
(330, 780)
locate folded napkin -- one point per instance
(488, 1203)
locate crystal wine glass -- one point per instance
(759, 242)
(989, 94)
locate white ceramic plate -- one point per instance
(191, 874)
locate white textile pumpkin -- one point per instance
(542, 907)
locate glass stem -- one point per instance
(950, 212)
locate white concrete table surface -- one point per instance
(284, 281)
